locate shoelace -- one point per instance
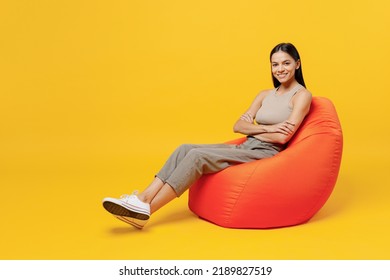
(126, 197)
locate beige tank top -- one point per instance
(276, 108)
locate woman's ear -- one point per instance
(298, 64)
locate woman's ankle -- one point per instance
(144, 198)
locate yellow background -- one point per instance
(95, 95)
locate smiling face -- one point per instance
(283, 67)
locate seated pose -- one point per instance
(269, 123)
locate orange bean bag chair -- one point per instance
(284, 190)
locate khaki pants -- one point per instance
(189, 162)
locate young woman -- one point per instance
(269, 123)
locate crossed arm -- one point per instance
(278, 133)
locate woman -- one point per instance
(269, 123)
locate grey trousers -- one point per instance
(189, 162)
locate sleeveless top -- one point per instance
(276, 108)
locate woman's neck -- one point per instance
(287, 86)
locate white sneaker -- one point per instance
(127, 206)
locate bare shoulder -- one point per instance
(304, 92)
(302, 101)
(303, 96)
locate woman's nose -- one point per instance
(280, 68)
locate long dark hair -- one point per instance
(293, 52)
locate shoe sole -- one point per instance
(124, 210)
(138, 224)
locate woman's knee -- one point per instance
(185, 147)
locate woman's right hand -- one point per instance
(247, 117)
